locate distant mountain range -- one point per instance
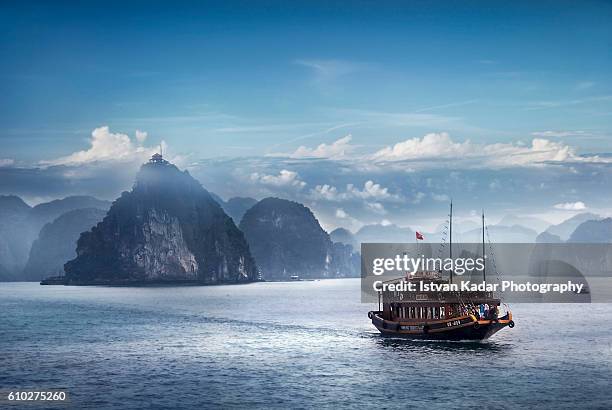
(378, 233)
(384, 233)
(534, 224)
(593, 231)
(16, 236)
(57, 243)
(78, 235)
(235, 207)
(168, 223)
(562, 232)
(584, 227)
(373, 233)
(500, 234)
(20, 225)
(46, 212)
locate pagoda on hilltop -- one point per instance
(157, 158)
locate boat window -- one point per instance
(442, 312)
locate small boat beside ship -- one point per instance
(439, 315)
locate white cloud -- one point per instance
(571, 206)
(285, 178)
(345, 220)
(376, 207)
(370, 190)
(107, 146)
(440, 146)
(371, 194)
(341, 214)
(434, 145)
(5, 162)
(386, 222)
(325, 191)
(141, 136)
(337, 149)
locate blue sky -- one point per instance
(259, 80)
(237, 78)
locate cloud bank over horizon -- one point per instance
(347, 184)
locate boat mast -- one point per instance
(450, 247)
(484, 261)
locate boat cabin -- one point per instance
(425, 306)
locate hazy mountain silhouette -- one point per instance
(235, 207)
(57, 243)
(567, 227)
(535, 224)
(15, 236)
(595, 231)
(20, 225)
(342, 235)
(500, 234)
(378, 233)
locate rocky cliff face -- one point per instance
(286, 239)
(57, 242)
(168, 228)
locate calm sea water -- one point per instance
(297, 345)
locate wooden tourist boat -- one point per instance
(436, 315)
(439, 315)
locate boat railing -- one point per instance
(448, 297)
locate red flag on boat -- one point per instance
(419, 236)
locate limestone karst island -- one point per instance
(168, 228)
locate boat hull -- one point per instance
(464, 328)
